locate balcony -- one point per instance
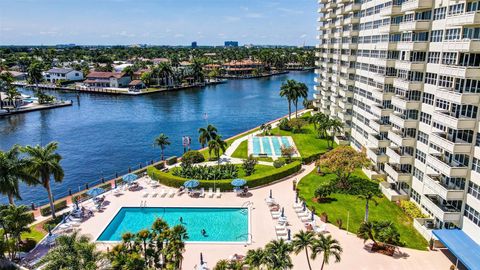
(397, 174)
(447, 191)
(373, 173)
(377, 141)
(344, 116)
(412, 45)
(348, 58)
(400, 139)
(403, 122)
(446, 118)
(345, 92)
(408, 85)
(380, 110)
(441, 209)
(388, 28)
(376, 156)
(414, 26)
(425, 226)
(390, 10)
(449, 143)
(460, 71)
(416, 5)
(450, 169)
(351, 19)
(464, 19)
(405, 104)
(391, 193)
(380, 126)
(341, 140)
(345, 105)
(408, 65)
(330, 5)
(463, 45)
(396, 155)
(455, 97)
(351, 46)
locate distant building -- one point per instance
(136, 85)
(242, 68)
(157, 61)
(62, 74)
(231, 43)
(18, 76)
(121, 67)
(107, 79)
(194, 45)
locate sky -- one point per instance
(157, 22)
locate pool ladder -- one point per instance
(246, 204)
(143, 204)
(248, 235)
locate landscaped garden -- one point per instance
(351, 208)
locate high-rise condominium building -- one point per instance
(404, 77)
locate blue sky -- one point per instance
(158, 22)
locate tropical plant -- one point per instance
(335, 126)
(343, 161)
(379, 231)
(368, 197)
(226, 171)
(277, 255)
(411, 209)
(13, 169)
(288, 152)
(192, 157)
(14, 220)
(35, 73)
(43, 163)
(323, 191)
(6, 80)
(303, 241)
(207, 134)
(297, 124)
(329, 247)
(301, 91)
(162, 141)
(288, 91)
(73, 252)
(284, 125)
(249, 164)
(255, 258)
(265, 128)
(217, 145)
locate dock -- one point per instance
(37, 107)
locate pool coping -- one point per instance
(249, 224)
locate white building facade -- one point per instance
(62, 74)
(404, 77)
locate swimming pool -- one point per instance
(269, 145)
(221, 224)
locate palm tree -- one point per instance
(335, 126)
(162, 141)
(303, 241)
(13, 95)
(15, 221)
(197, 71)
(217, 145)
(6, 80)
(255, 258)
(368, 196)
(329, 247)
(287, 90)
(301, 91)
(207, 134)
(12, 171)
(35, 73)
(72, 252)
(43, 162)
(277, 255)
(366, 231)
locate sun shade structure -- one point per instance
(129, 178)
(238, 182)
(461, 245)
(94, 192)
(191, 184)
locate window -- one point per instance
(469, 60)
(452, 34)
(436, 36)
(471, 33)
(472, 214)
(442, 104)
(415, 196)
(420, 156)
(433, 57)
(430, 78)
(473, 6)
(449, 58)
(476, 165)
(425, 118)
(439, 13)
(418, 174)
(422, 137)
(467, 86)
(456, 9)
(474, 190)
(445, 81)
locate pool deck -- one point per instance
(355, 255)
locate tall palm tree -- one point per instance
(255, 258)
(287, 90)
(207, 134)
(162, 141)
(278, 255)
(197, 71)
(368, 196)
(329, 247)
(301, 91)
(303, 241)
(15, 221)
(35, 73)
(217, 145)
(44, 162)
(13, 169)
(366, 231)
(335, 126)
(6, 80)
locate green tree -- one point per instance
(207, 134)
(368, 197)
(303, 241)
(249, 164)
(44, 162)
(73, 252)
(255, 258)
(197, 71)
(6, 80)
(13, 169)
(15, 221)
(288, 91)
(379, 231)
(329, 247)
(146, 78)
(162, 141)
(217, 146)
(277, 255)
(301, 91)
(35, 73)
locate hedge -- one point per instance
(312, 158)
(254, 180)
(45, 211)
(171, 160)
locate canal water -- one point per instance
(102, 135)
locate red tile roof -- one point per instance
(105, 75)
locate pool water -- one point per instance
(220, 224)
(269, 145)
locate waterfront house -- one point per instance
(107, 79)
(157, 61)
(10, 103)
(18, 76)
(242, 68)
(136, 85)
(62, 75)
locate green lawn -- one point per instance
(36, 233)
(343, 204)
(241, 151)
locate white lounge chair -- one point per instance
(280, 227)
(218, 194)
(145, 194)
(303, 214)
(282, 232)
(300, 210)
(298, 205)
(276, 215)
(210, 193)
(305, 219)
(171, 193)
(320, 229)
(163, 192)
(154, 195)
(202, 193)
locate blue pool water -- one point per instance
(266, 146)
(285, 142)
(221, 224)
(276, 146)
(256, 146)
(277, 143)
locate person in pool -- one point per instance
(204, 233)
(181, 220)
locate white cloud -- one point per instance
(290, 11)
(254, 15)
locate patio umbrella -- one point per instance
(304, 206)
(296, 197)
(201, 258)
(238, 182)
(283, 212)
(191, 184)
(94, 192)
(129, 178)
(289, 235)
(313, 215)
(271, 194)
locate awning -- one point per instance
(461, 245)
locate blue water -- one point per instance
(276, 146)
(104, 134)
(256, 146)
(266, 146)
(285, 142)
(220, 224)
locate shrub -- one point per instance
(323, 191)
(51, 223)
(356, 186)
(411, 209)
(160, 165)
(27, 245)
(192, 157)
(171, 160)
(45, 211)
(288, 152)
(297, 124)
(284, 125)
(206, 172)
(249, 165)
(278, 163)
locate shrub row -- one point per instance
(311, 158)
(171, 160)
(45, 211)
(254, 180)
